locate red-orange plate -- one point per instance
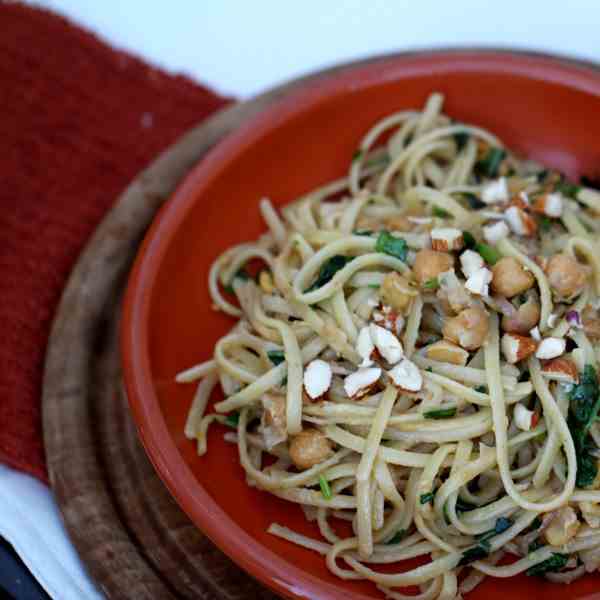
(544, 107)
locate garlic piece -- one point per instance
(406, 375)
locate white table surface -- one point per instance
(241, 48)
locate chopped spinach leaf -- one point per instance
(436, 211)
(328, 270)
(482, 389)
(397, 537)
(461, 138)
(276, 356)
(544, 223)
(232, 419)
(490, 163)
(388, 244)
(474, 553)
(473, 201)
(555, 563)
(469, 239)
(568, 189)
(442, 413)
(502, 524)
(365, 232)
(427, 498)
(535, 524)
(462, 506)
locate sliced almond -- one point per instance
(448, 352)
(550, 205)
(520, 222)
(517, 347)
(406, 376)
(523, 417)
(365, 346)
(495, 232)
(386, 343)
(471, 261)
(479, 282)
(446, 239)
(561, 369)
(551, 347)
(317, 378)
(495, 191)
(360, 382)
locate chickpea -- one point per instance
(565, 275)
(398, 223)
(525, 319)
(429, 264)
(397, 291)
(468, 329)
(510, 277)
(591, 324)
(310, 447)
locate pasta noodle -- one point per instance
(415, 350)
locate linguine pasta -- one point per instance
(415, 353)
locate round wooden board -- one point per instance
(133, 538)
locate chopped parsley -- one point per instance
(328, 270)
(555, 563)
(502, 524)
(276, 356)
(427, 498)
(568, 189)
(442, 413)
(461, 138)
(474, 553)
(469, 240)
(364, 232)
(463, 506)
(583, 409)
(482, 389)
(325, 488)
(535, 524)
(232, 419)
(397, 537)
(545, 223)
(490, 163)
(388, 244)
(473, 201)
(436, 211)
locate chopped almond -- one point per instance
(448, 352)
(446, 239)
(550, 205)
(516, 348)
(561, 369)
(520, 222)
(551, 347)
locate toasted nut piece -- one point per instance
(265, 280)
(387, 344)
(452, 293)
(365, 346)
(317, 378)
(448, 352)
(563, 527)
(495, 232)
(429, 264)
(495, 191)
(406, 375)
(468, 329)
(273, 419)
(397, 291)
(591, 324)
(566, 276)
(398, 223)
(510, 277)
(520, 222)
(523, 417)
(360, 382)
(310, 447)
(550, 205)
(478, 282)
(561, 369)
(525, 319)
(446, 239)
(517, 347)
(551, 347)
(470, 262)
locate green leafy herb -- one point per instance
(358, 154)
(555, 563)
(545, 223)
(398, 537)
(502, 524)
(431, 284)
(482, 389)
(436, 211)
(325, 489)
(426, 498)
(488, 253)
(474, 553)
(473, 201)
(535, 524)
(535, 545)
(490, 163)
(442, 413)
(469, 239)
(276, 356)
(461, 138)
(232, 419)
(388, 244)
(462, 506)
(328, 270)
(584, 404)
(365, 232)
(374, 286)
(568, 189)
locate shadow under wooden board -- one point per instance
(131, 535)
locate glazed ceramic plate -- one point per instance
(543, 107)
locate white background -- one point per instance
(240, 48)
(244, 46)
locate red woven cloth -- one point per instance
(78, 120)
